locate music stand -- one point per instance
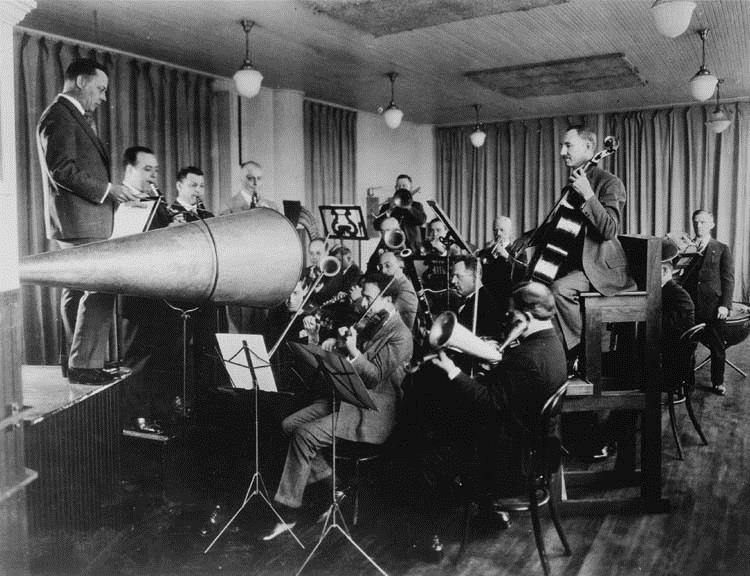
(257, 487)
(453, 234)
(344, 222)
(345, 384)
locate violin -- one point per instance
(561, 227)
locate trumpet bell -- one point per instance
(446, 332)
(395, 239)
(330, 266)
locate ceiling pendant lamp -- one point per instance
(247, 79)
(703, 84)
(672, 17)
(478, 136)
(718, 119)
(392, 114)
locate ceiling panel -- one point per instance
(301, 48)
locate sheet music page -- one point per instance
(133, 217)
(235, 361)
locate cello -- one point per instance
(554, 240)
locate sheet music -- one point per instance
(230, 346)
(133, 217)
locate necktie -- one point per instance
(91, 119)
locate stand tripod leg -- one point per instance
(731, 365)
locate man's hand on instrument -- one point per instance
(310, 323)
(581, 184)
(355, 292)
(328, 344)
(723, 313)
(350, 340)
(124, 194)
(444, 363)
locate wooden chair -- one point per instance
(542, 453)
(682, 383)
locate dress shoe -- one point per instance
(492, 521)
(278, 530)
(148, 425)
(720, 389)
(93, 376)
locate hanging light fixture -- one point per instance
(672, 17)
(478, 136)
(247, 79)
(702, 85)
(392, 114)
(718, 119)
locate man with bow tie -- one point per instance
(711, 285)
(80, 200)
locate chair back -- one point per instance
(546, 449)
(693, 334)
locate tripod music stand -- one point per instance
(346, 385)
(257, 487)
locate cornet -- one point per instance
(395, 240)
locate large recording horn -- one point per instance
(446, 332)
(228, 259)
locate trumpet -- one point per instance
(395, 240)
(329, 267)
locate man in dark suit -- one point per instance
(380, 362)
(711, 286)
(80, 202)
(469, 285)
(598, 261)
(408, 212)
(188, 206)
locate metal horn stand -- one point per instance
(257, 487)
(185, 315)
(334, 515)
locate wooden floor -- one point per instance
(707, 531)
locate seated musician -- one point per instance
(328, 287)
(385, 227)
(379, 361)
(597, 260)
(678, 314)
(350, 272)
(409, 213)
(500, 271)
(188, 206)
(404, 297)
(468, 283)
(490, 411)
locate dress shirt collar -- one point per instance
(75, 102)
(188, 207)
(246, 196)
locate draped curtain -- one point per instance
(148, 104)
(330, 154)
(669, 161)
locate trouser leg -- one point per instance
(566, 291)
(712, 338)
(90, 345)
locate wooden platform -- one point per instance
(72, 440)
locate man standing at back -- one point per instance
(80, 202)
(711, 285)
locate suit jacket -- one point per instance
(75, 167)
(190, 216)
(382, 367)
(711, 282)
(517, 388)
(603, 257)
(489, 314)
(405, 300)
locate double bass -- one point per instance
(555, 239)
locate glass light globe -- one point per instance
(478, 137)
(672, 17)
(703, 84)
(718, 121)
(247, 80)
(393, 116)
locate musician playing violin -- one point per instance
(597, 260)
(379, 361)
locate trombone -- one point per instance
(395, 240)
(329, 267)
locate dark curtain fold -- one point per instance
(148, 104)
(670, 162)
(330, 136)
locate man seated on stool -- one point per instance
(511, 395)
(380, 362)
